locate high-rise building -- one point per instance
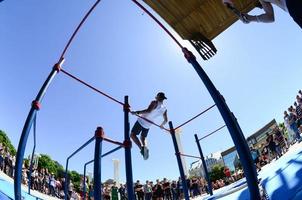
(116, 172)
(183, 160)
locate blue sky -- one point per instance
(122, 51)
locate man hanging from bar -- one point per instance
(145, 120)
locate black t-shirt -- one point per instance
(139, 189)
(166, 186)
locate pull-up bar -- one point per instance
(212, 133)
(117, 101)
(195, 117)
(90, 86)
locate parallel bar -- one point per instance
(195, 116)
(204, 166)
(67, 162)
(84, 179)
(211, 133)
(112, 151)
(83, 146)
(181, 169)
(128, 160)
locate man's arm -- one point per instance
(267, 17)
(148, 110)
(165, 116)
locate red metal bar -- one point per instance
(91, 87)
(78, 28)
(113, 141)
(148, 120)
(212, 132)
(194, 117)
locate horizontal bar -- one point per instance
(212, 133)
(113, 141)
(79, 149)
(105, 154)
(91, 87)
(188, 155)
(113, 150)
(91, 161)
(148, 120)
(195, 117)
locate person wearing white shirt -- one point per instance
(143, 123)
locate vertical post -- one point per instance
(84, 182)
(181, 169)
(127, 141)
(32, 154)
(232, 125)
(26, 129)
(97, 190)
(204, 165)
(66, 183)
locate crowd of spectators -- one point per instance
(7, 161)
(40, 179)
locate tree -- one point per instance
(7, 143)
(46, 162)
(75, 178)
(217, 172)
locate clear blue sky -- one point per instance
(122, 51)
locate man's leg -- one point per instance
(137, 128)
(136, 140)
(144, 143)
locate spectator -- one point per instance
(139, 190)
(148, 191)
(52, 183)
(122, 192)
(174, 190)
(114, 192)
(167, 189)
(292, 123)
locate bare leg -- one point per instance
(143, 141)
(136, 140)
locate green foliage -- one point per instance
(217, 172)
(26, 162)
(7, 143)
(75, 178)
(46, 162)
